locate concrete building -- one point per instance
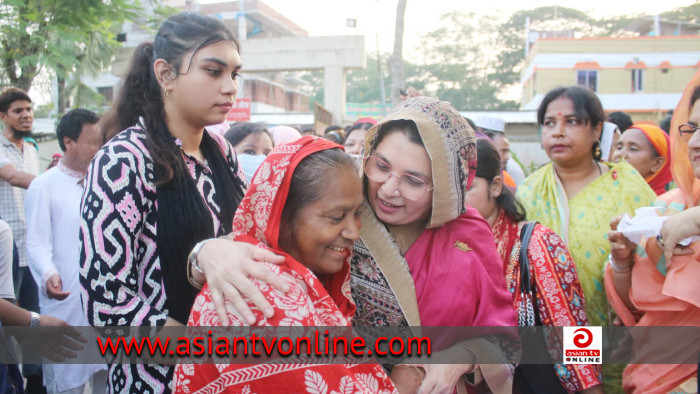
(269, 92)
(273, 49)
(643, 75)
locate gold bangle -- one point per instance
(420, 371)
(416, 372)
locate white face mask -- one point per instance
(250, 164)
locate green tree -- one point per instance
(58, 35)
(315, 88)
(97, 54)
(689, 13)
(363, 85)
(511, 39)
(460, 60)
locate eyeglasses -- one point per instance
(411, 187)
(687, 131)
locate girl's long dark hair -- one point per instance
(488, 166)
(140, 100)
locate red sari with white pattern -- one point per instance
(310, 302)
(559, 296)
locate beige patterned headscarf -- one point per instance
(451, 146)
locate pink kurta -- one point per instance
(671, 300)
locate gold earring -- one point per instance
(167, 92)
(598, 152)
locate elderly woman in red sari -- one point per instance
(655, 284)
(559, 298)
(304, 204)
(423, 258)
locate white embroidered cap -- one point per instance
(490, 123)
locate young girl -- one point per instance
(160, 186)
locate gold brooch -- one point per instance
(462, 246)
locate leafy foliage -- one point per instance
(511, 39)
(470, 60)
(363, 86)
(63, 36)
(460, 62)
(690, 13)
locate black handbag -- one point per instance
(532, 378)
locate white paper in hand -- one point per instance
(646, 224)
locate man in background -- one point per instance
(53, 247)
(494, 128)
(19, 165)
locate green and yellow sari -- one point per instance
(583, 223)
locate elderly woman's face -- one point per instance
(325, 230)
(567, 140)
(635, 148)
(694, 143)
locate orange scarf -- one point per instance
(660, 141)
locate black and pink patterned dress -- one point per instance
(120, 271)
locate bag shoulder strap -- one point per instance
(525, 234)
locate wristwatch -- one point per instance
(35, 319)
(192, 258)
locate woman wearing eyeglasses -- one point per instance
(658, 287)
(423, 259)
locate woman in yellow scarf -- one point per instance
(576, 194)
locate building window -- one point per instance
(637, 80)
(588, 78)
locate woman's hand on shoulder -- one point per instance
(621, 249)
(228, 266)
(676, 228)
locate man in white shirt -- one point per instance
(509, 164)
(7, 288)
(495, 129)
(53, 225)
